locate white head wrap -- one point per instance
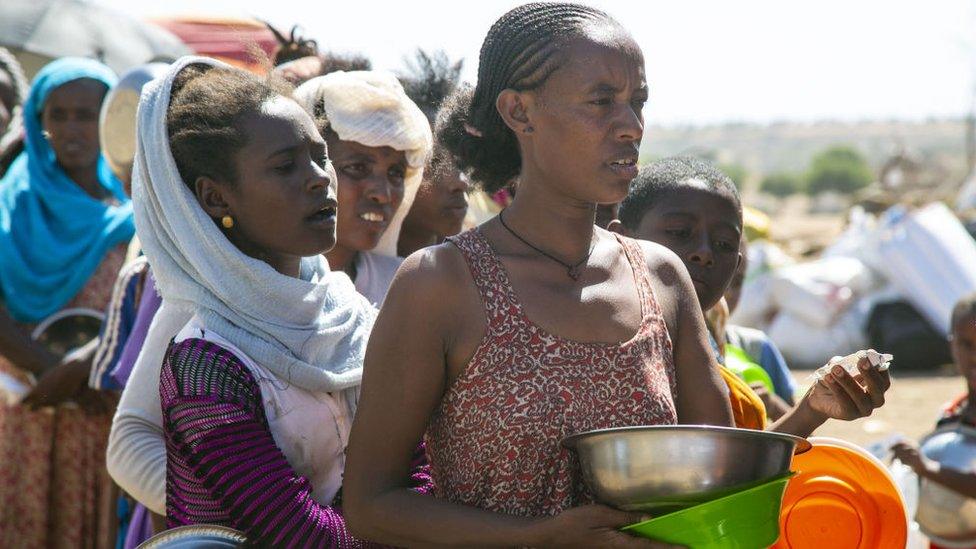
(310, 331)
(371, 108)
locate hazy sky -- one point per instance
(707, 60)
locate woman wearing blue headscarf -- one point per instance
(64, 225)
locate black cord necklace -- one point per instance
(573, 270)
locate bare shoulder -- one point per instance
(662, 263)
(431, 266)
(669, 280)
(436, 278)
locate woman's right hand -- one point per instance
(592, 526)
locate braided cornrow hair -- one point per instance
(518, 53)
(205, 105)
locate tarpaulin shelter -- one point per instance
(242, 42)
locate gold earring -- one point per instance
(46, 134)
(227, 221)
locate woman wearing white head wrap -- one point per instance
(293, 329)
(370, 110)
(379, 141)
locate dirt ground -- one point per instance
(911, 408)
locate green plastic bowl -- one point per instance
(745, 520)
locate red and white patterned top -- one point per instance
(494, 440)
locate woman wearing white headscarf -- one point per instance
(379, 141)
(373, 131)
(273, 350)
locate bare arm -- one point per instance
(19, 349)
(405, 378)
(403, 382)
(963, 482)
(958, 481)
(839, 395)
(703, 397)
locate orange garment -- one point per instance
(747, 409)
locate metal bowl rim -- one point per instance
(959, 428)
(198, 532)
(801, 444)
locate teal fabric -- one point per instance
(53, 235)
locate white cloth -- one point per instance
(374, 273)
(311, 428)
(371, 108)
(310, 331)
(136, 457)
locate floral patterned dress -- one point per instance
(54, 488)
(494, 440)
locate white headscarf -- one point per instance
(371, 108)
(310, 331)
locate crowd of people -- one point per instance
(306, 337)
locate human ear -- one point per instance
(211, 195)
(616, 226)
(512, 106)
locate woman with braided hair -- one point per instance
(535, 325)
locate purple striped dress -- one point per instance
(223, 466)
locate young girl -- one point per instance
(961, 410)
(536, 325)
(258, 388)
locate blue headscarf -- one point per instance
(53, 235)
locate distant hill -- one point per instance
(788, 147)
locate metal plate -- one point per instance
(197, 536)
(68, 329)
(946, 516)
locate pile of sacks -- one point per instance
(888, 281)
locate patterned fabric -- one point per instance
(58, 493)
(494, 441)
(119, 318)
(223, 466)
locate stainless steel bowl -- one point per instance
(949, 518)
(664, 468)
(197, 536)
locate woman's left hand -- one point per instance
(839, 395)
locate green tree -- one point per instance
(840, 168)
(782, 184)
